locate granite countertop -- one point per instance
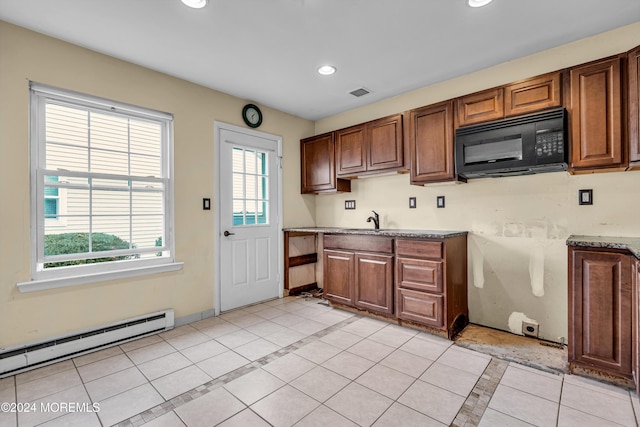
(632, 244)
(430, 234)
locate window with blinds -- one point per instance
(111, 163)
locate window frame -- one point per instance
(42, 278)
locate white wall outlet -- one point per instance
(530, 329)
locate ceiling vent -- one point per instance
(360, 92)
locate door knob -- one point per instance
(227, 234)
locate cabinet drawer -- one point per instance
(420, 307)
(420, 275)
(418, 249)
(355, 242)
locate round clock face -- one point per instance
(252, 115)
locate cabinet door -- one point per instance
(374, 282)
(421, 307)
(532, 95)
(386, 148)
(635, 327)
(317, 165)
(596, 115)
(430, 136)
(634, 106)
(351, 152)
(600, 311)
(481, 107)
(339, 276)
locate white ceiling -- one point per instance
(267, 51)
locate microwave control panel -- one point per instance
(549, 144)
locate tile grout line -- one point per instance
(560, 401)
(477, 401)
(201, 390)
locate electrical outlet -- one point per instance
(349, 204)
(530, 329)
(440, 201)
(412, 202)
(585, 197)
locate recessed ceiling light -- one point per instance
(478, 3)
(327, 70)
(196, 4)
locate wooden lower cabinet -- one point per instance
(374, 282)
(431, 283)
(355, 275)
(420, 281)
(600, 311)
(635, 327)
(339, 276)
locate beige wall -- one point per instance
(24, 56)
(517, 226)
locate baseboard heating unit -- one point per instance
(14, 360)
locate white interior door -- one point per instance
(249, 224)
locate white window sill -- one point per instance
(62, 282)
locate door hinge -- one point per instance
(280, 161)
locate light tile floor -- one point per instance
(296, 362)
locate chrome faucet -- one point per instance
(376, 220)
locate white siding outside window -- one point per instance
(112, 162)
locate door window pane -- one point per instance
(250, 183)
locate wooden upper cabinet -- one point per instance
(386, 144)
(522, 97)
(370, 148)
(530, 95)
(633, 59)
(481, 107)
(430, 137)
(317, 166)
(351, 152)
(597, 115)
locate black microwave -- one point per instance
(521, 145)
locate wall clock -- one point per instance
(252, 115)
